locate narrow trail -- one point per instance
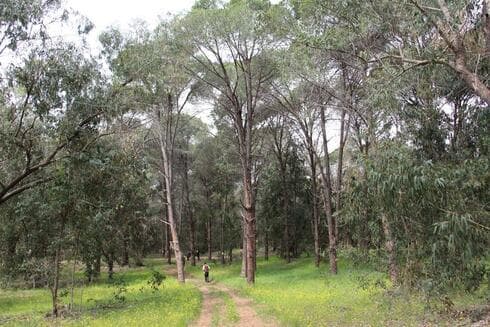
(214, 306)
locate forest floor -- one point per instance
(299, 294)
(294, 294)
(222, 307)
(128, 300)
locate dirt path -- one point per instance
(248, 315)
(214, 306)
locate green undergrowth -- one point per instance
(129, 300)
(299, 294)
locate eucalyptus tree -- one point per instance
(161, 92)
(229, 45)
(454, 34)
(50, 92)
(24, 21)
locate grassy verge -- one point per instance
(128, 302)
(298, 294)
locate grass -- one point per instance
(298, 294)
(172, 304)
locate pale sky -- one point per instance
(104, 13)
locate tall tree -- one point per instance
(229, 47)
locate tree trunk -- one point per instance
(315, 213)
(192, 223)
(266, 245)
(230, 255)
(327, 198)
(167, 244)
(222, 237)
(57, 264)
(243, 271)
(171, 220)
(110, 265)
(56, 278)
(340, 163)
(125, 259)
(390, 247)
(97, 265)
(208, 237)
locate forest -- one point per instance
(316, 140)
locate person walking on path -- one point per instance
(205, 269)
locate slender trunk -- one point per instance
(327, 198)
(125, 259)
(365, 234)
(110, 265)
(340, 162)
(285, 208)
(57, 264)
(287, 243)
(172, 222)
(315, 213)
(208, 233)
(266, 244)
(222, 238)
(56, 279)
(97, 265)
(166, 129)
(390, 247)
(167, 244)
(193, 242)
(243, 272)
(72, 291)
(230, 255)
(190, 214)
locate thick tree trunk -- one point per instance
(390, 247)
(327, 198)
(250, 216)
(249, 219)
